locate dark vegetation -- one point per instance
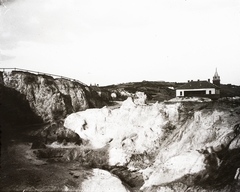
(30, 79)
(230, 90)
(95, 99)
(161, 90)
(155, 90)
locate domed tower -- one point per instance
(216, 79)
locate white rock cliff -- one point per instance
(163, 141)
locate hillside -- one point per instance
(159, 90)
(230, 90)
(55, 125)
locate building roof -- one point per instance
(198, 85)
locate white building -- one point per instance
(200, 88)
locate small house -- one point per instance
(201, 88)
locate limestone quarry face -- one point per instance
(165, 142)
(51, 99)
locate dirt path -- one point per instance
(22, 171)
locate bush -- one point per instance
(30, 79)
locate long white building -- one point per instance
(200, 88)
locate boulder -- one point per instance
(140, 98)
(57, 132)
(102, 181)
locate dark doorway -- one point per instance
(194, 93)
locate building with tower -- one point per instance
(216, 79)
(201, 88)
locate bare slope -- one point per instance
(191, 142)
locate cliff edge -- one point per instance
(49, 98)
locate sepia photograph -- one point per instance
(120, 95)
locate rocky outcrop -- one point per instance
(55, 132)
(103, 181)
(140, 98)
(13, 103)
(188, 142)
(51, 99)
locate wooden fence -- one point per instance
(41, 73)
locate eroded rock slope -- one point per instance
(193, 143)
(51, 99)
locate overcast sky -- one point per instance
(116, 41)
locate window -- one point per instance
(210, 92)
(180, 93)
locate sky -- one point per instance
(117, 41)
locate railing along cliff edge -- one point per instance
(41, 73)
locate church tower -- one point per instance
(216, 78)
